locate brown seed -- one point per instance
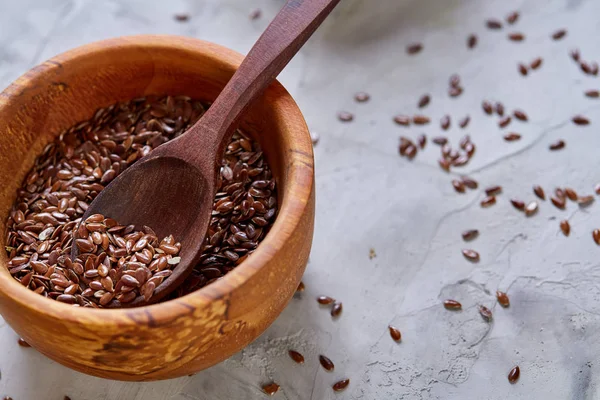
(487, 107)
(444, 164)
(594, 94)
(458, 186)
(512, 137)
(539, 192)
(255, 14)
(571, 194)
(23, 343)
(471, 255)
(424, 101)
(440, 140)
(559, 144)
(471, 41)
(493, 24)
(513, 375)
(585, 67)
(575, 54)
(596, 236)
(499, 108)
(325, 300)
(585, 201)
(271, 388)
(522, 69)
(455, 91)
(536, 63)
(597, 188)
(516, 36)
(336, 310)
(520, 115)
(414, 48)
(341, 385)
(488, 201)
(518, 204)
(326, 363)
(403, 120)
(362, 97)
(558, 202)
(452, 305)
(580, 120)
(565, 227)
(395, 333)
(470, 234)
(469, 182)
(182, 17)
(420, 120)
(486, 313)
(297, 357)
(594, 68)
(445, 122)
(503, 299)
(531, 208)
(503, 123)
(300, 287)
(493, 190)
(464, 122)
(559, 34)
(512, 17)
(411, 152)
(345, 116)
(422, 141)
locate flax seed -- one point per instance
(469, 182)
(493, 190)
(341, 385)
(458, 186)
(470, 234)
(445, 122)
(516, 36)
(559, 144)
(536, 63)
(493, 24)
(414, 48)
(424, 101)
(596, 236)
(485, 313)
(503, 123)
(471, 41)
(565, 227)
(513, 375)
(395, 333)
(580, 120)
(471, 255)
(297, 357)
(503, 299)
(488, 201)
(512, 17)
(326, 363)
(403, 120)
(487, 107)
(336, 310)
(362, 97)
(464, 122)
(325, 300)
(531, 208)
(452, 305)
(559, 34)
(518, 204)
(420, 120)
(512, 137)
(539, 192)
(271, 388)
(345, 116)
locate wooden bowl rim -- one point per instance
(296, 198)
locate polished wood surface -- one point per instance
(191, 333)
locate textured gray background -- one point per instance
(369, 197)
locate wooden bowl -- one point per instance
(182, 336)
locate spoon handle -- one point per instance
(291, 28)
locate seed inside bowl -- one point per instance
(83, 159)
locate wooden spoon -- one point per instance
(172, 189)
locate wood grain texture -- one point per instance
(173, 188)
(189, 334)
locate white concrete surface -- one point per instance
(370, 197)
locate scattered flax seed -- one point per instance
(594, 68)
(422, 141)
(486, 313)
(182, 17)
(420, 119)
(580, 120)
(559, 144)
(558, 202)
(513, 375)
(454, 80)
(395, 333)
(512, 17)
(493, 190)
(594, 94)
(403, 120)
(297, 357)
(256, 14)
(314, 137)
(488, 201)
(469, 182)
(326, 363)
(597, 188)
(520, 115)
(470, 234)
(458, 186)
(336, 310)
(487, 107)
(414, 48)
(471, 41)
(575, 55)
(522, 69)
(512, 137)
(518, 204)
(452, 305)
(499, 108)
(445, 122)
(585, 201)
(325, 300)
(405, 143)
(503, 123)
(539, 192)
(536, 63)
(362, 97)
(531, 208)
(571, 194)
(271, 388)
(300, 287)
(440, 140)
(585, 67)
(341, 385)
(596, 236)
(455, 91)
(372, 253)
(503, 299)
(23, 343)
(345, 116)
(559, 34)
(471, 255)
(493, 24)
(464, 122)
(424, 101)
(565, 227)
(411, 151)
(444, 164)
(516, 36)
